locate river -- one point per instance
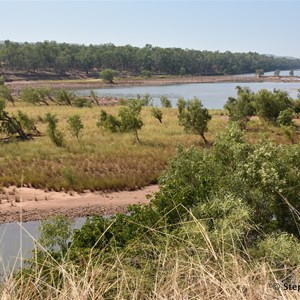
(213, 95)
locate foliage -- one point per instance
(291, 73)
(12, 125)
(35, 96)
(165, 102)
(108, 121)
(54, 134)
(55, 233)
(65, 97)
(147, 99)
(194, 118)
(241, 109)
(157, 113)
(146, 73)
(75, 125)
(6, 93)
(82, 102)
(276, 72)
(259, 72)
(182, 71)
(2, 80)
(285, 117)
(130, 117)
(63, 57)
(107, 75)
(268, 104)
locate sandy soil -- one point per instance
(95, 83)
(33, 204)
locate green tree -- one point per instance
(130, 118)
(291, 73)
(277, 73)
(75, 125)
(165, 102)
(259, 72)
(6, 93)
(108, 122)
(11, 125)
(64, 97)
(268, 104)
(194, 118)
(157, 113)
(54, 134)
(34, 96)
(107, 75)
(241, 109)
(55, 233)
(285, 117)
(182, 71)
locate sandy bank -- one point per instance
(33, 204)
(95, 83)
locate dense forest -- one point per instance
(63, 57)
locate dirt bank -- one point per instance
(96, 83)
(33, 204)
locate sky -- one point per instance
(265, 26)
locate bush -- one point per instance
(107, 75)
(2, 80)
(157, 113)
(82, 102)
(75, 125)
(55, 135)
(165, 102)
(146, 73)
(193, 117)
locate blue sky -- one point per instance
(268, 27)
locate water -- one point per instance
(17, 242)
(213, 95)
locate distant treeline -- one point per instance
(61, 58)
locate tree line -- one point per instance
(63, 57)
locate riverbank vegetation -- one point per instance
(46, 57)
(224, 225)
(71, 147)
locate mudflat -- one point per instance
(28, 204)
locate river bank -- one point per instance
(17, 86)
(28, 204)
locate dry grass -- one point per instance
(103, 160)
(186, 271)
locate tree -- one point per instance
(65, 97)
(6, 93)
(157, 113)
(285, 117)
(291, 73)
(268, 104)
(2, 80)
(194, 118)
(75, 125)
(165, 102)
(241, 109)
(182, 71)
(34, 96)
(54, 134)
(259, 72)
(55, 233)
(130, 118)
(107, 75)
(276, 72)
(11, 125)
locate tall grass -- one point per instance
(180, 269)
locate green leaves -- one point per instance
(193, 117)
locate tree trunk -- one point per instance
(204, 139)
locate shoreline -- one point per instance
(28, 204)
(96, 83)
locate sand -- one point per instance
(31, 204)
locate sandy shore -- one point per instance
(33, 204)
(96, 83)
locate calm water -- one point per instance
(14, 237)
(213, 95)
